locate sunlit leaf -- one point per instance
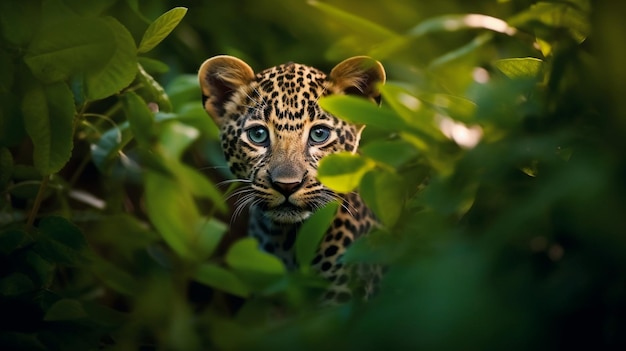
(355, 23)
(311, 233)
(412, 111)
(558, 15)
(161, 28)
(393, 153)
(342, 172)
(220, 278)
(361, 111)
(175, 137)
(528, 67)
(49, 120)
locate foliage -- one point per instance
(495, 165)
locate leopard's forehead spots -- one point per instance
(288, 95)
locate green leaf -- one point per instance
(107, 148)
(245, 256)
(119, 68)
(413, 112)
(393, 153)
(153, 91)
(384, 193)
(557, 15)
(49, 120)
(222, 279)
(91, 8)
(6, 167)
(12, 129)
(361, 111)
(312, 232)
(173, 212)
(199, 185)
(342, 172)
(459, 108)
(528, 67)
(65, 310)
(210, 233)
(12, 239)
(368, 30)
(114, 277)
(62, 49)
(161, 28)
(140, 118)
(449, 23)
(19, 20)
(60, 241)
(174, 139)
(16, 284)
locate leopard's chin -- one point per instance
(287, 214)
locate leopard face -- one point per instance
(274, 133)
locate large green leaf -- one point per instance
(368, 29)
(311, 233)
(161, 28)
(199, 185)
(62, 49)
(393, 153)
(19, 20)
(60, 241)
(342, 172)
(48, 117)
(119, 68)
(256, 268)
(173, 212)
(209, 234)
(361, 111)
(384, 193)
(220, 278)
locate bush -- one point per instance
(494, 164)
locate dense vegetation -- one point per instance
(495, 163)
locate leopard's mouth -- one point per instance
(287, 212)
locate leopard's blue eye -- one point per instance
(258, 135)
(319, 134)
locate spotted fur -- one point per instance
(273, 134)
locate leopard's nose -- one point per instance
(287, 188)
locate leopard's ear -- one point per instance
(220, 77)
(358, 75)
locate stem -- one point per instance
(37, 204)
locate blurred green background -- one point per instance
(495, 163)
